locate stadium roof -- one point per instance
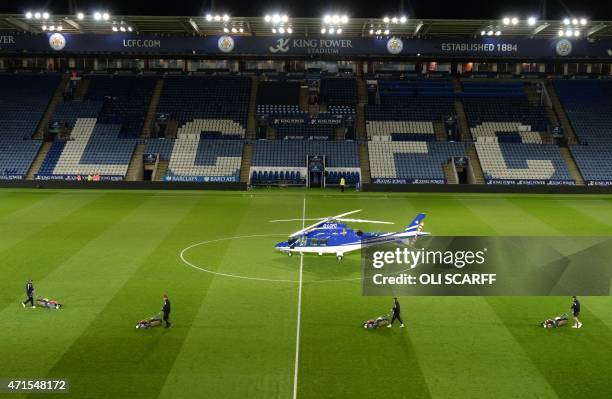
(355, 27)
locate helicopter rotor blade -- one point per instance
(363, 221)
(305, 229)
(294, 220)
(345, 214)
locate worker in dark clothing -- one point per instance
(166, 310)
(396, 313)
(29, 288)
(576, 312)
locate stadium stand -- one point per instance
(270, 158)
(23, 102)
(220, 98)
(408, 109)
(339, 91)
(412, 161)
(520, 163)
(502, 110)
(588, 105)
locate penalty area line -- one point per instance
(299, 313)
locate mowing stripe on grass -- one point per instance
(242, 340)
(39, 254)
(136, 362)
(465, 351)
(299, 314)
(30, 219)
(575, 362)
(16, 201)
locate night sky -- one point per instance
(470, 9)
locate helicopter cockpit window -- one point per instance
(314, 242)
(303, 240)
(323, 242)
(359, 233)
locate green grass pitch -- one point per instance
(110, 255)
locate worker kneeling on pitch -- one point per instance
(150, 322)
(48, 303)
(557, 322)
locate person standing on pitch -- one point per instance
(576, 312)
(396, 313)
(342, 183)
(166, 310)
(30, 293)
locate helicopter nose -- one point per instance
(281, 245)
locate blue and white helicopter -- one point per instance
(330, 235)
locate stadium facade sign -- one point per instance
(384, 180)
(227, 45)
(527, 182)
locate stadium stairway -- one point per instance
(462, 124)
(271, 133)
(450, 173)
(83, 86)
(571, 166)
(360, 123)
(304, 98)
(439, 131)
(339, 133)
(38, 160)
(55, 100)
(147, 128)
(457, 85)
(251, 128)
(160, 172)
(568, 130)
(245, 167)
(475, 163)
(364, 162)
(135, 170)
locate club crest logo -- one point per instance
(395, 45)
(282, 45)
(563, 47)
(57, 41)
(226, 44)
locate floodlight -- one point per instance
(114, 28)
(209, 17)
(531, 21)
(323, 30)
(60, 28)
(331, 31)
(483, 32)
(285, 18)
(80, 16)
(274, 30)
(583, 21)
(52, 28)
(97, 16)
(217, 18)
(575, 21)
(241, 30)
(498, 33)
(281, 30)
(394, 20)
(226, 17)
(327, 19)
(45, 15)
(130, 29)
(44, 27)
(234, 30)
(344, 19)
(506, 21)
(339, 31)
(290, 30)
(386, 32)
(336, 19)
(568, 32)
(403, 19)
(386, 20)
(106, 16)
(490, 33)
(371, 31)
(28, 15)
(225, 30)
(37, 15)
(514, 20)
(122, 28)
(267, 18)
(576, 33)
(276, 18)
(566, 21)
